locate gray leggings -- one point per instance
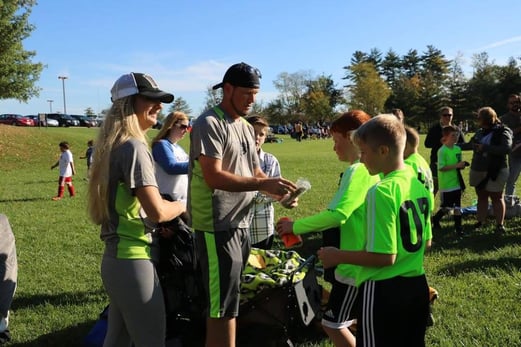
(136, 311)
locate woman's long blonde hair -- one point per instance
(171, 119)
(119, 125)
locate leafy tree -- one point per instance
(321, 99)
(292, 87)
(391, 67)
(457, 87)
(181, 105)
(18, 74)
(213, 97)
(369, 91)
(411, 63)
(89, 112)
(482, 86)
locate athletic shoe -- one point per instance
(56, 198)
(500, 229)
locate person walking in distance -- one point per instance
(67, 170)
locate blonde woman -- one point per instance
(491, 145)
(171, 160)
(125, 201)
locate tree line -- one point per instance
(417, 83)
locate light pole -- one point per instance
(50, 105)
(63, 78)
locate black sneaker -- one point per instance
(5, 336)
(500, 229)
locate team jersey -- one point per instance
(129, 234)
(423, 170)
(65, 163)
(397, 222)
(448, 180)
(345, 210)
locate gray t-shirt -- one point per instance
(128, 234)
(232, 141)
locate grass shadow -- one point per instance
(503, 263)
(57, 299)
(70, 336)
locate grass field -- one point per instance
(60, 294)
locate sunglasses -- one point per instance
(182, 126)
(447, 115)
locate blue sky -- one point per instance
(188, 45)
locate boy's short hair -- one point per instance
(258, 120)
(449, 129)
(444, 110)
(348, 121)
(382, 130)
(413, 138)
(90, 143)
(64, 144)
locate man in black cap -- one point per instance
(224, 175)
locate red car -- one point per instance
(16, 119)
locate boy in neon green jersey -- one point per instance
(417, 162)
(347, 212)
(449, 162)
(393, 292)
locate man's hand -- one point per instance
(277, 187)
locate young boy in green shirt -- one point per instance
(449, 162)
(346, 212)
(414, 159)
(393, 292)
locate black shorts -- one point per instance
(222, 256)
(340, 306)
(393, 312)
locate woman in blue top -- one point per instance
(170, 158)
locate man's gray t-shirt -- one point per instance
(215, 134)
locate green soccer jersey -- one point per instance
(423, 170)
(397, 222)
(448, 180)
(345, 210)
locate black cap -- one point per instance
(241, 75)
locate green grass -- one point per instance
(60, 294)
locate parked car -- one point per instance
(16, 119)
(49, 121)
(64, 120)
(85, 121)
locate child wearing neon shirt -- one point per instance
(346, 212)
(393, 290)
(449, 162)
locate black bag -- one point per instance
(181, 283)
(281, 316)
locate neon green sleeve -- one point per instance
(318, 222)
